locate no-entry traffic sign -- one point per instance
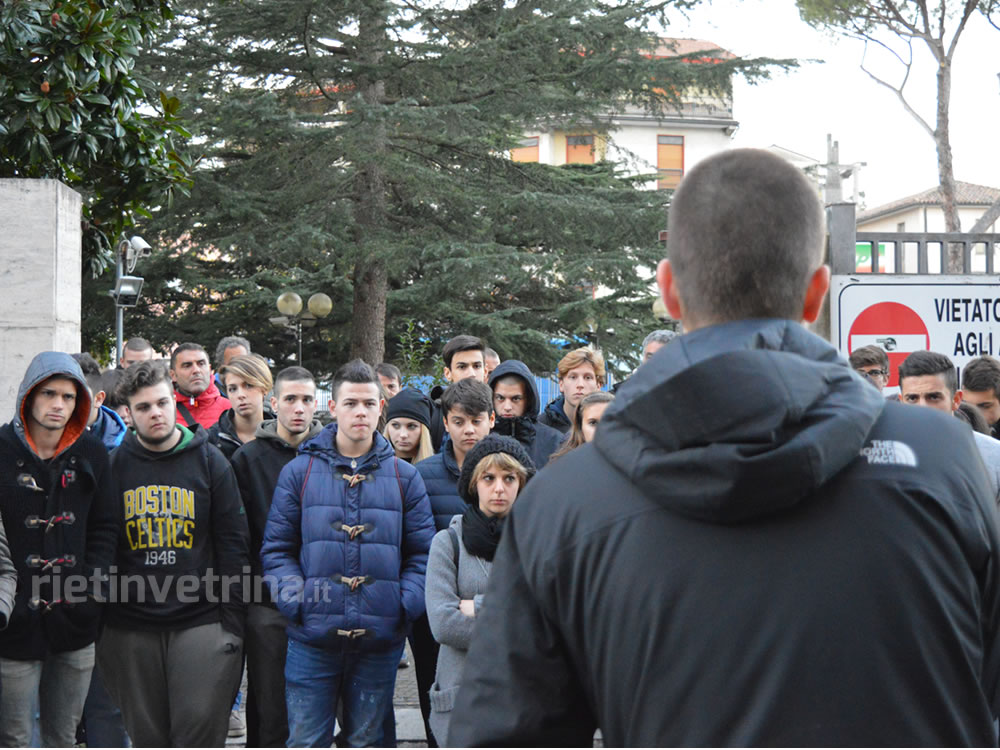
(955, 315)
(893, 326)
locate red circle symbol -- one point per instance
(892, 326)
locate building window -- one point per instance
(579, 149)
(669, 161)
(527, 150)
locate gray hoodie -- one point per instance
(44, 366)
(8, 579)
(445, 587)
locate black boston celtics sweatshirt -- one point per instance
(182, 529)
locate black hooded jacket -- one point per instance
(60, 509)
(257, 465)
(540, 440)
(223, 433)
(755, 550)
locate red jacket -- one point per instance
(204, 409)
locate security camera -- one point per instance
(139, 246)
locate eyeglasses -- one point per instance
(873, 373)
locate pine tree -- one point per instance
(360, 148)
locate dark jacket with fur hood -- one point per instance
(60, 522)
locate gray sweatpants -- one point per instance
(59, 683)
(175, 687)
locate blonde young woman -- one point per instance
(407, 425)
(461, 558)
(247, 380)
(588, 415)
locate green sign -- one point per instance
(863, 257)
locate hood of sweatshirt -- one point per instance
(44, 366)
(199, 435)
(738, 420)
(268, 430)
(109, 427)
(517, 367)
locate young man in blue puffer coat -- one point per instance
(344, 554)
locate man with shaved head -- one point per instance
(756, 548)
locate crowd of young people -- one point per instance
(798, 563)
(170, 522)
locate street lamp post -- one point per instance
(290, 306)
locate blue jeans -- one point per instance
(315, 679)
(102, 719)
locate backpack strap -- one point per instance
(454, 545)
(186, 413)
(305, 481)
(402, 495)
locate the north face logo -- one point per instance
(889, 452)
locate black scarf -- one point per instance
(481, 533)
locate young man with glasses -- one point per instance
(873, 363)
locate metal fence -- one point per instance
(905, 252)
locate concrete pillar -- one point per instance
(40, 272)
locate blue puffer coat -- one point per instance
(440, 474)
(345, 546)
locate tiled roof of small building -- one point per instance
(671, 47)
(966, 194)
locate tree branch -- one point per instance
(893, 16)
(989, 217)
(899, 91)
(905, 63)
(970, 8)
(311, 70)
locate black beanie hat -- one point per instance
(410, 404)
(489, 445)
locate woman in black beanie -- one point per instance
(407, 425)
(493, 473)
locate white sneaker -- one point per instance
(237, 728)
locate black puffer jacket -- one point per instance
(555, 415)
(756, 550)
(60, 509)
(440, 474)
(540, 440)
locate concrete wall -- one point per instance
(40, 270)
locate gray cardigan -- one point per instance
(8, 579)
(444, 589)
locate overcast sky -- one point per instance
(796, 110)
